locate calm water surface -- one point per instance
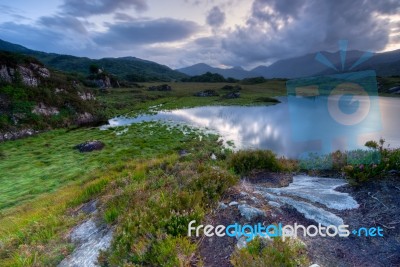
(290, 128)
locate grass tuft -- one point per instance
(245, 161)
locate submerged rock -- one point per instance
(90, 146)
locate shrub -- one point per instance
(213, 183)
(260, 253)
(267, 99)
(254, 80)
(172, 252)
(247, 160)
(373, 164)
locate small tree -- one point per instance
(94, 69)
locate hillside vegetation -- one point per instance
(33, 98)
(124, 68)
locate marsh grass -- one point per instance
(139, 179)
(127, 101)
(245, 161)
(43, 163)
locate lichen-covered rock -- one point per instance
(104, 82)
(250, 212)
(42, 109)
(90, 146)
(27, 76)
(59, 90)
(84, 118)
(5, 74)
(86, 96)
(17, 134)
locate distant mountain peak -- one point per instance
(237, 68)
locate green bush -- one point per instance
(213, 183)
(276, 253)
(247, 160)
(4, 121)
(372, 164)
(254, 80)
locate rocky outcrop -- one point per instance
(103, 83)
(13, 135)
(29, 75)
(41, 71)
(59, 90)
(42, 109)
(163, 87)
(86, 96)
(84, 119)
(6, 74)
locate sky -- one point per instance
(180, 33)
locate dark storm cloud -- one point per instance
(139, 32)
(90, 7)
(281, 28)
(63, 23)
(215, 17)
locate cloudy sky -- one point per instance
(180, 33)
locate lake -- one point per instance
(293, 127)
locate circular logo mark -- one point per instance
(359, 96)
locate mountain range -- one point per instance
(139, 70)
(385, 64)
(125, 68)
